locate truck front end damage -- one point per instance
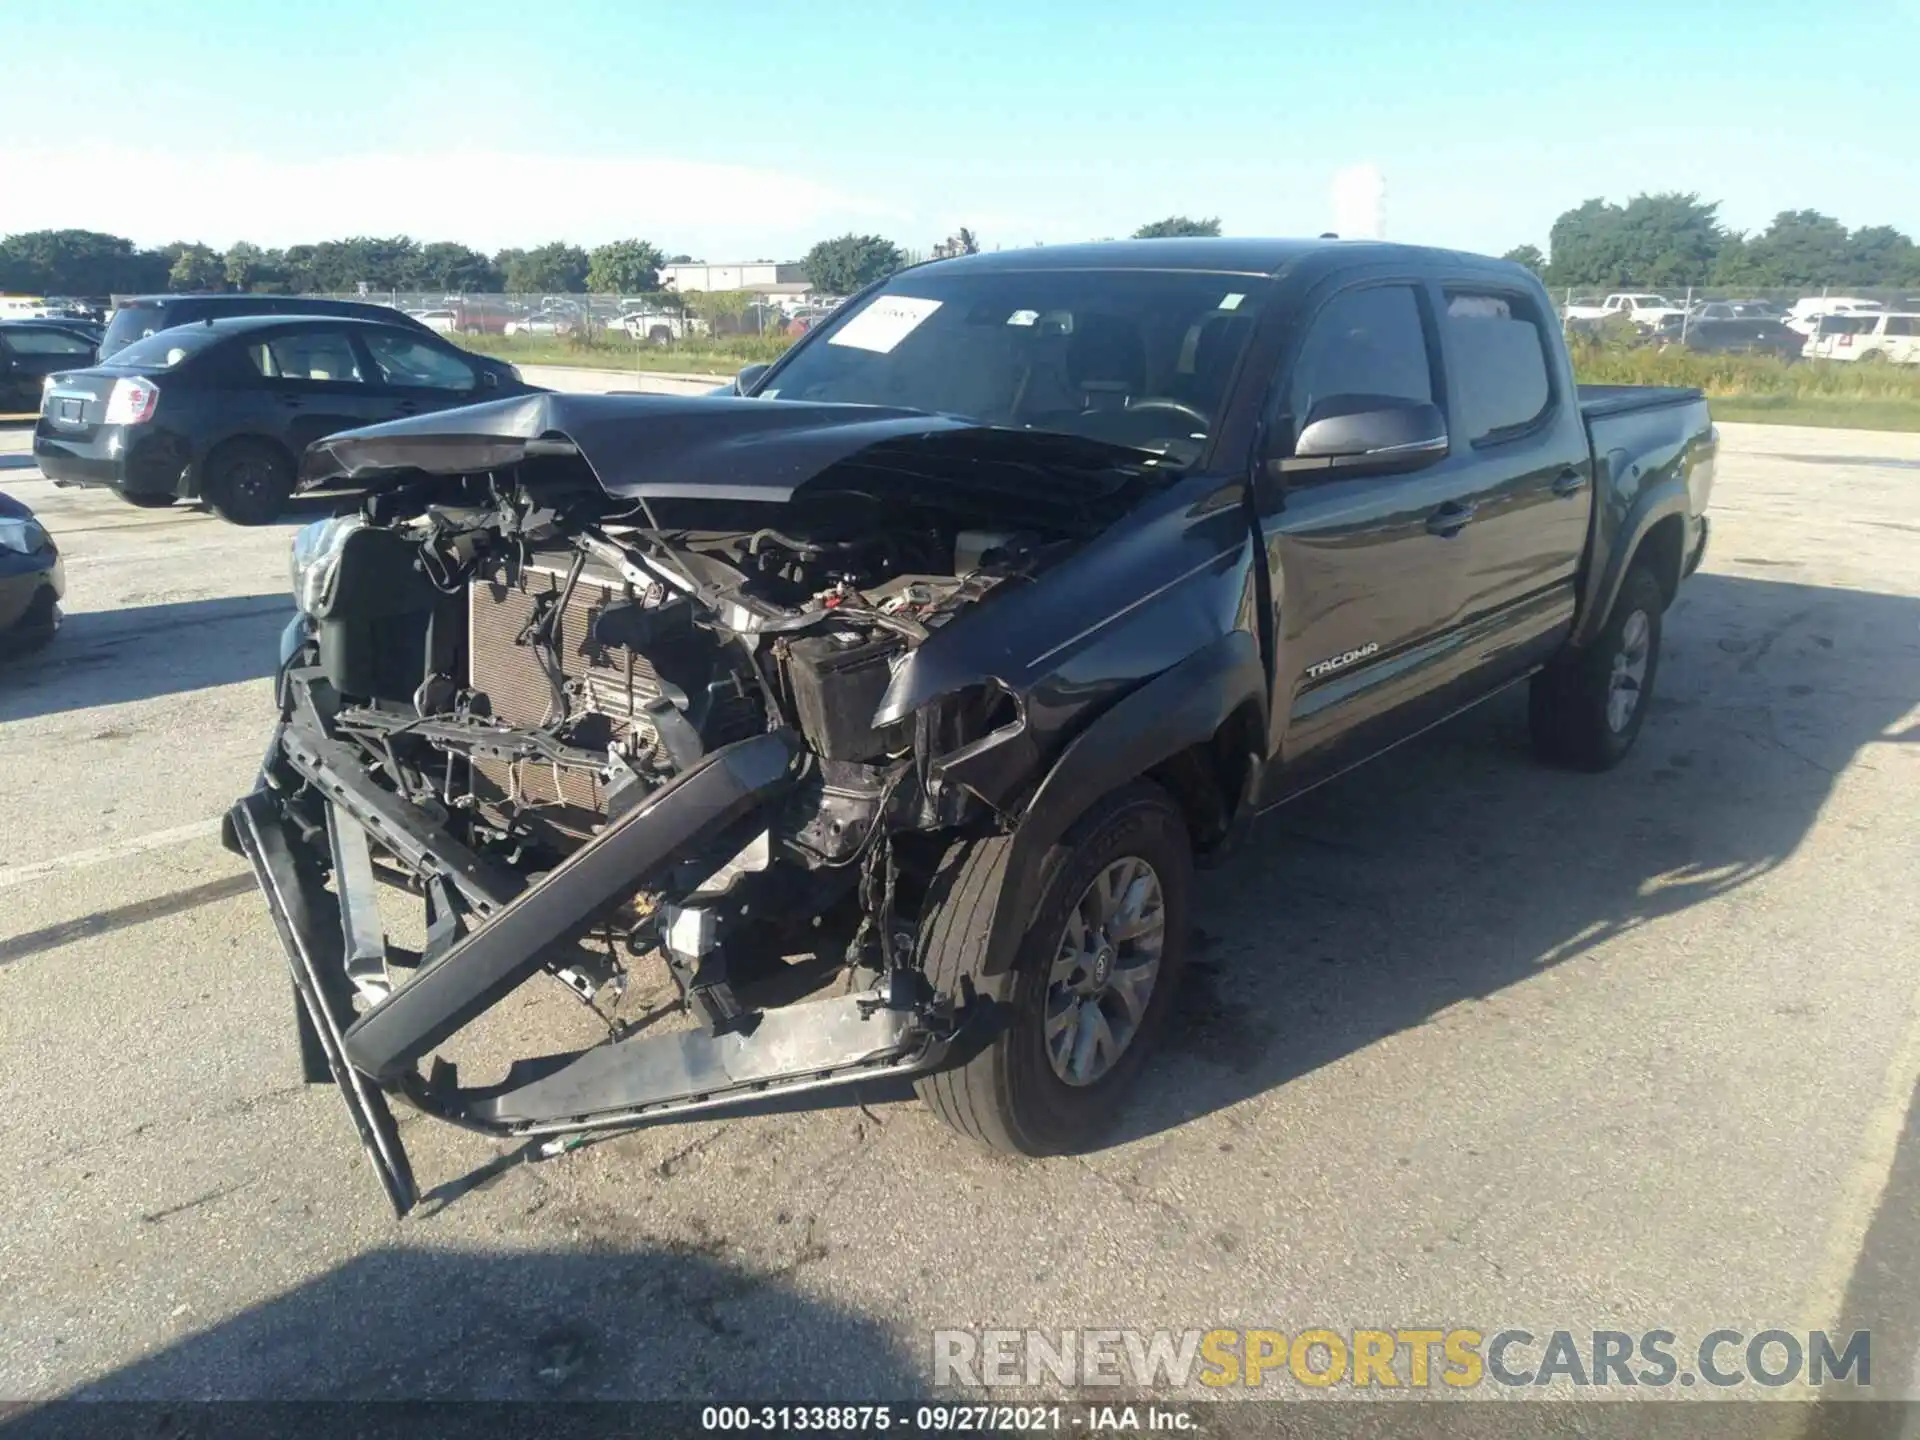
(712, 686)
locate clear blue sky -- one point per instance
(742, 130)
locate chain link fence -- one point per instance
(660, 316)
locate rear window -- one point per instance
(1501, 382)
(165, 349)
(131, 323)
(1848, 324)
(1903, 325)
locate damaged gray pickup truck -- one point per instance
(888, 700)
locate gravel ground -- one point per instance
(1468, 1042)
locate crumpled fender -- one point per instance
(1181, 707)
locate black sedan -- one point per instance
(31, 579)
(219, 411)
(1758, 336)
(31, 350)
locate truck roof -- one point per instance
(1222, 254)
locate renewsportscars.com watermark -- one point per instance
(1412, 1358)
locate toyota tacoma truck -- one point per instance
(888, 701)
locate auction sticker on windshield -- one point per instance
(884, 323)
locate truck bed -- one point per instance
(1597, 401)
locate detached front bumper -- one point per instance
(374, 1054)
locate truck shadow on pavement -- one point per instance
(403, 1324)
(110, 657)
(1458, 865)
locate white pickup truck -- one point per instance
(1646, 311)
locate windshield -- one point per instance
(164, 349)
(1135, 357)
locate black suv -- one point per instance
(139, 316)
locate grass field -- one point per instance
(1860, 395)
(722, 355)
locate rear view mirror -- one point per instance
(1368, 434)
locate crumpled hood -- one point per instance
(723, 447)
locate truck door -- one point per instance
(1511, 410)
(1367, 569)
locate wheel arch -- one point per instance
(203, 467)
(1197, 728)
(1655, 531)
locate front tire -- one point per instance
(1091, 982)
(248, 482)
(1586, 709)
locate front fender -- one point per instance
(1181, 707)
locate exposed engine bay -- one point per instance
(680, 728)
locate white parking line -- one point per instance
(100, 854)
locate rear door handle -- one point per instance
(1569, 482)
(1449, 519)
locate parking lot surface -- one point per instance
(1467, 1042)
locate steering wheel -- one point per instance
(1178, 407)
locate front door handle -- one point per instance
(1450, 519)
(1569, 482)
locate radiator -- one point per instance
(508, 671)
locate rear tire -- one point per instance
(1586, 709)
(1051, 1080)
(248, 482)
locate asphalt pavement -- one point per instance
(1468, 1042)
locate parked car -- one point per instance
(479, 315)
(1717, 336)
(142, 315)
(1047, 571)
(220, 410)
(30, 351)
(1646, 311)
(32, 579)
(93, 330)
(543, 322)
(1805, 315)
(441, 322)
(1736, 310)
(1885, 336)
(657, 326)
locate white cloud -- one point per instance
(487, 199)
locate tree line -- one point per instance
(87, 262)
(1673, 240)
(91, 263)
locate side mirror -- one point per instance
(489, 380)
(1367, 434)
(748, 378)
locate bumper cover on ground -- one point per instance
(807, 1046)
